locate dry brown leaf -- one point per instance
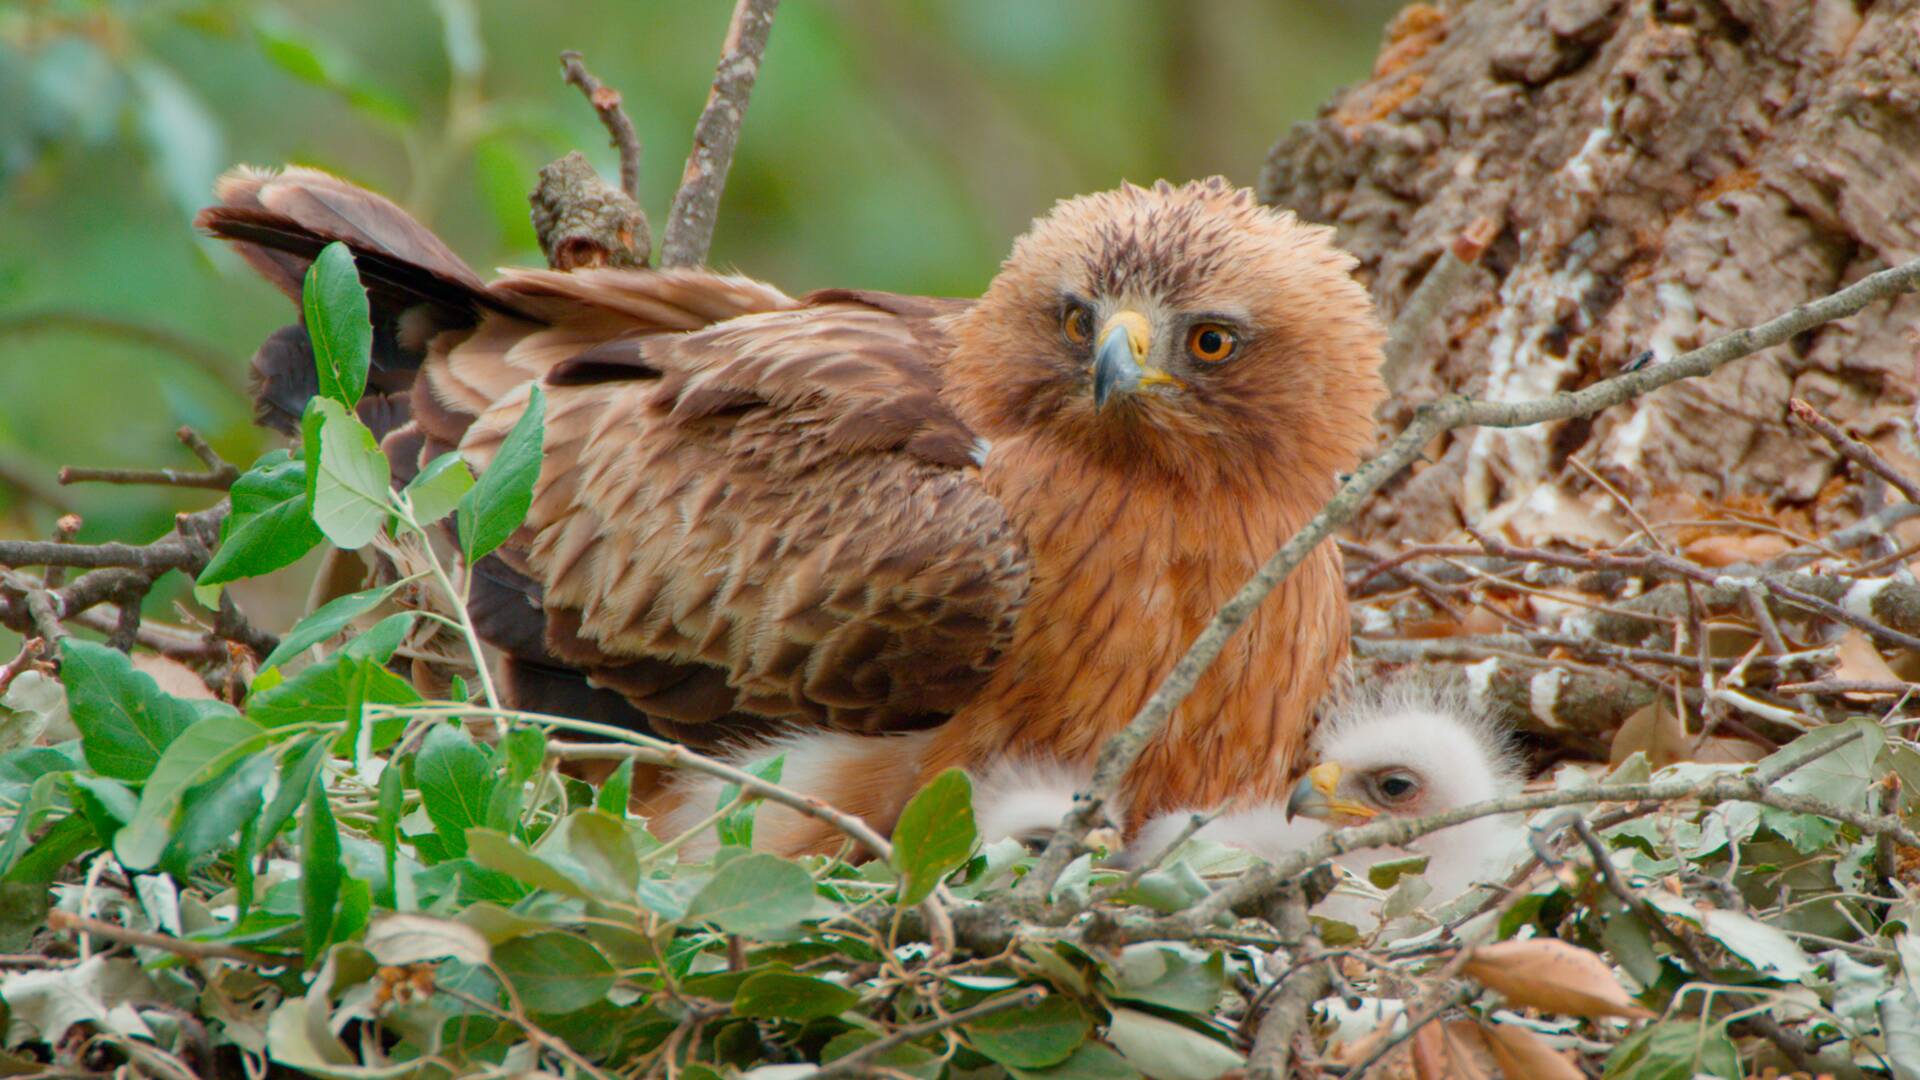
(173, 676)
(1468, 1057)
(1715, 750)
(1861, 662)
(1520, 1052)
(1552, 976)
(1428, 1054)
(1726, 549)
(1655, 731)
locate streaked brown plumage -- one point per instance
(880, 513)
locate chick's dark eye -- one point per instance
(1210, 342)
(1396, 787)
(1076, 323)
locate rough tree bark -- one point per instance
(1658, 172)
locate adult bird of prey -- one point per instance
(1000, 520)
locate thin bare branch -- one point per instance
(689, 230)
(606, 101)
(198, 950)
(1853, 449)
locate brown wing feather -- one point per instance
(774, 518)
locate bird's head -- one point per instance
(1186, 329)
(1405, 752)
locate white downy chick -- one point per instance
(1406, 750)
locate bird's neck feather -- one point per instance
(1126, 573)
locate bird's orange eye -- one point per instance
(1210, 342)
(1077, 323)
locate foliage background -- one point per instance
(896, 145)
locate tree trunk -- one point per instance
(1657, 172)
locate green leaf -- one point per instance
(1675, 1050)
(1841, 776)
(335, 306)
(26, 818)
(350, 495)
(299, 766)
(125, 721)
(270, 525)
(907, 1058)
(1092, 1061)
(592, 849)
(498, 503)
(617, 791)
(107, 804)
(439, 488)
(1171, 975)
(754, 894)
(1387, 874)
(410, 939)
(381, 640)
(1168, 1051)
(554, 972)
(320, 872)
(1034, 1036)
(325, 693)
(499, 853)
(736, 829)
(325, 621)
(212, 813)
(200, 753)
(934, 835)
(783, 995)
(386, 827)
(455, 782)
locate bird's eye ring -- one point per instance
(1076, 322)
(1396, 787)
(1211, 343)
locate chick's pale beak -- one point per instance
(1317, 796)
(1119, 359)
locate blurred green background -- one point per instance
(896, 144)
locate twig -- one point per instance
(197, 950)
(689, 231)
(606, 101)
(1848, 686)
(1853, 449)
(1286, 1014)
(1429, 421)
(218, 476)
(213, 481)
(851, 1063)
(29, 652)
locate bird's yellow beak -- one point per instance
(1315, 796)
(1120, 359)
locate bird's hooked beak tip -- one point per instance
(1317, 796)
(1119, 358)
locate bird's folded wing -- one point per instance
(768, 522)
